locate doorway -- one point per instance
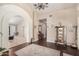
(12, 31)
(42, 29)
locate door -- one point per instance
(12, 31)
(43, 28)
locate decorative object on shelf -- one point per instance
(60, 35)
(41, 6)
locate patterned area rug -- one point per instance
(37, 50)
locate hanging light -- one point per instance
(41, 6)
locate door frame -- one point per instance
(44, 20)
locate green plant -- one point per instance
(1, 49)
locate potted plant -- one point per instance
(1, 50)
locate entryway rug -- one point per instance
(37, 50)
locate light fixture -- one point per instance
(41, 6)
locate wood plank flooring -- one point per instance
(62, 49)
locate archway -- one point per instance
(8, 12)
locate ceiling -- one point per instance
(58, 6)
(29, 7)
(51, 6)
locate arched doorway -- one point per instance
(9, 12)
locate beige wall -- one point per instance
(35, 25)
(78, 25)
(67, 17)
(27, 7)
(10, 11)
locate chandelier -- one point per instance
(41, 6)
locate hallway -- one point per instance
(51, 26)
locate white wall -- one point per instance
(36, 17)
(78, 25)
(67, 17)
(11, 11)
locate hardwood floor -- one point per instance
(14, 49)
(62, 49)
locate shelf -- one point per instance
(60, 35)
